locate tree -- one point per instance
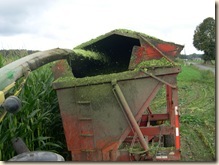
(1, 61)
(204, 39)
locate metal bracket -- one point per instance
(157, 78)
(2, 99)
(131, 117)
(19, 145)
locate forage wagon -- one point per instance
(105, 88)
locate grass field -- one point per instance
(198, 114)
(39, 122)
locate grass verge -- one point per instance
(197, 107)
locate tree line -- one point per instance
(204, 39)
(16, 52)
(190, 56)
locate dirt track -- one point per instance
(204, 67)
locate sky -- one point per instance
(47, 24)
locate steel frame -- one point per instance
(139, 122)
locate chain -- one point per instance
(159, 142)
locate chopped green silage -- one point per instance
(87, 63)
(72, 81)
(163, 62)
(111, 53)
(102, 77)
(90, 55)
(133, 34)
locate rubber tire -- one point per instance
(37, 156)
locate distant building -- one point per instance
(197, 59)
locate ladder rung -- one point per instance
(88, 150)
(85, 119)
(87, 135)
(83, 102)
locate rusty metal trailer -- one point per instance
(101, 114)
(108, 117)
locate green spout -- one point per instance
(17, 69)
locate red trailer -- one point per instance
(109, 117)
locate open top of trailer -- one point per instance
(118, 51)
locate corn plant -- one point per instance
(38, 123)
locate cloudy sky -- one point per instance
(47, 24)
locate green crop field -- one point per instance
(198, 114)
(39, 122)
